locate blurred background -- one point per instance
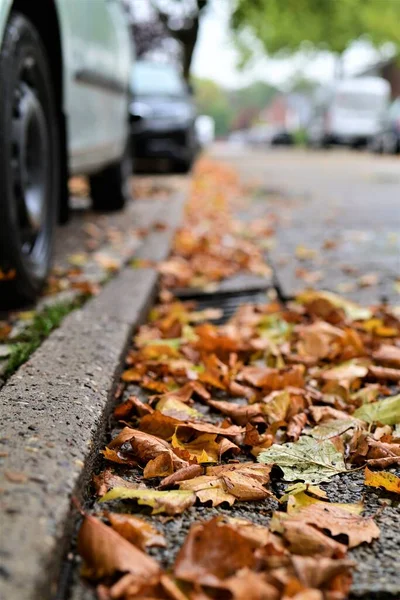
(258, 68)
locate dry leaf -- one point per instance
(136, 530)
(388, 481)
(105, 553)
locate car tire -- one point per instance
(110, 188)
(30, 167)
(183, 166)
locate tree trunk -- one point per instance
(188, 49)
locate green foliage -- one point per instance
(213, 100)
(293, 25)
(42, 325)
(227, 106)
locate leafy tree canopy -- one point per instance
(285, 27)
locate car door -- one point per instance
(98, 65)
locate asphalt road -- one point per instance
(338, 215)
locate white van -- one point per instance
(348, 112)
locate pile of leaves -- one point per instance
(298, 393)
(212, 245)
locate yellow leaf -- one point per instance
(171, 502)
(204, 448)
(389, 481)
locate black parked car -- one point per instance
(387, 141)
(163, 115)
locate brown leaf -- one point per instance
(107, 480)
(296, 426)
(273, 379)
(131, 406)
(322, 572)
(145, 446)
(339, 522)
(387, 355)
(245, 580)
(121, 458)
(305, 540)
(384, 374)
(160, 466)
(213, 551)
(105, 553)
(159, 425)
(239, 414)
(183, 474)
(136, 530)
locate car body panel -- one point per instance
(97, 62)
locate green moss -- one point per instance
(30, 339)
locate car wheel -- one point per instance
(183, 166)
(30, 163)
(110, 188)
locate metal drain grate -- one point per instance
(228, 303)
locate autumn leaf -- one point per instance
(337, 521)
(203, 449)
(136, 530)
(171, 502)
(107, 479)
(307, 460)
(305, 540)
(212, 552)
(385, 411)
(105, 553)
(173, 407)
(388, 481)
(145, 447)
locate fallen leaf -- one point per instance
(105, 553)
(145, 447)
(212, 552)
(173, 407)
(136, 530)
(385, 411)
(172, 502)
(337, 521)
(107, 480)
(388, 481)
(184, 474)
(305, 540)
(307, 460)
(387, 355)
(203, 449)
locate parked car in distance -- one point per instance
(64, 77)
(348, 112)
(387, 140)
(269, 135)
(163, 115)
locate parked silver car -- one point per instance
(64, 77)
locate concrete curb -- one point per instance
(53, 414)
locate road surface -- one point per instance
(338, 214)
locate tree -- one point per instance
(166, 27)
(213, 100)
(287, 27)
(182, 19)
